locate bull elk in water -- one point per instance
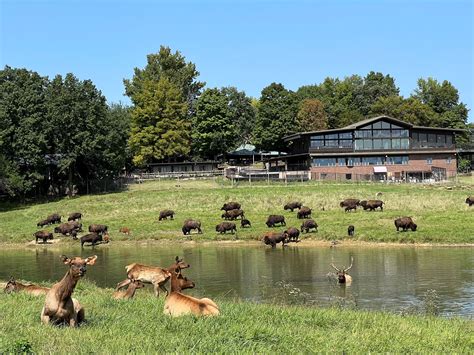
(342, 276)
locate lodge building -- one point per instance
(379, 148)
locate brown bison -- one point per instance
(233, 214)
(304, 212)
(372, 205)
(309, 224)
(165, 214)
(65, 229)
(245, 223)
(405, 223)
(292, 206)
(94, 239)
(273, 238)
(98, 228)
(350, 204)
(124, 230)
(74, 216)
(274, 219)
(350, 230)
(51, 219)
(293, 234)
(230, 206)
(190, 224)
(77, 226)
(226, 226)
(43, 235)
(470, 200)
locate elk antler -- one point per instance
(352, 262)
(335, 268)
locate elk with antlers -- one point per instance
(15, 286)
(342, 276)
(59, 306)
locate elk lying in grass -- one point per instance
(342, 276)
(130, 291)
(59, 306)
(15, 286)
(154, 275)
(178, 304)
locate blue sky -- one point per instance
(247, 44)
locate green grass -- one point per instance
(440, 211)
(139, 326)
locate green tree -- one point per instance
(442, 98)
(311, 116)
(214, 126)
(172, 66)
(409, 110)
(77, 111)
(276, 117)
(23, 129)
(159, 129)
(242, 113)
(376, 85)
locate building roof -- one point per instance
(367, 121)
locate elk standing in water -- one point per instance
(342, 276)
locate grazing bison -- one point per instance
(77, 226)
(74, 216)
(350, 204)
(98, 228)
(226, 226)
(274, 219)
(292, 205)
(372, 205)
(51, 219)
(350, 230)
(165, 214)
(309, 224)
(273, 238)
(42, 223)
(304, 212)
(244, 223)
(43, 235)
(65, 229)
(94, 239)
(470, 200)
(293, 234)
(233, 214)
(124, 230)
(405, 223)
(190, 224)
(230, 206)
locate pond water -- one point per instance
(385, 278)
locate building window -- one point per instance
(397, 160)
(324, 161)
(372, 160)
(348, 176)
(429, 160)
(448, 160)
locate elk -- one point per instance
(34, 290)
(342, 276)
(59, 306)
(178, 304)
(154, 275)
(130, 292)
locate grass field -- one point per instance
(139, 326)
(440, 211)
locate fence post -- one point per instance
(268, 178)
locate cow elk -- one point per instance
(129, 293)
(342, 276)
(34, 290)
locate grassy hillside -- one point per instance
(440, 211)
(139, 326)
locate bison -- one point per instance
(350, 230)
(372, 205)
(165, 214)
(190, 224)
(304, 212)
(233, 214)
(94, 239)
(77, 226)
(274, 219)
(350, 204)
(43, 235)
(74, 216)
(272, 238)
(65, 229)
(230, 206)
(309, 224)
(405, 223)
(42, 223)
(226, 226)
(292, 205)
(124, 230)
(51, 219)
(98, 228)
(244, 223)
(293, 234)
(470, 200)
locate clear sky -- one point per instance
(247, 44)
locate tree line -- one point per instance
(62, 132)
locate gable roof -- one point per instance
(378, 118)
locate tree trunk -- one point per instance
(70, 181)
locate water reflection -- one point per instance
(384, 278)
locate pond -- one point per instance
(385, 278)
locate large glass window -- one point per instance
(324, 161)
(372, 160)
(402, 159)
(377, 144)
(404, 143)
